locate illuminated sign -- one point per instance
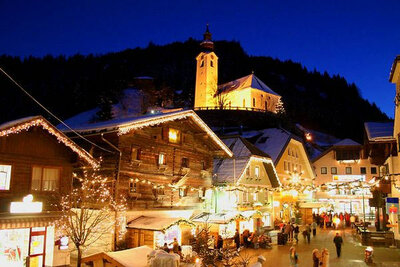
(26, 206)
(392, 205)
(348, 178)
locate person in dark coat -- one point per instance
(338, 240)
(237, 239)
(220, 242)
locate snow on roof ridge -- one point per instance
(347, 142)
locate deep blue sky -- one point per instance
(356, 39)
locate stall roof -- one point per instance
(219, 218)
(123, 258)
(155, 223)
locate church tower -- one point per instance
(206, 74)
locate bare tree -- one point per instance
(220, 99)
(89, 212)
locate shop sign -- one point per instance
(348, 178)
(392, 205)
(26, 206)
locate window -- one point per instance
(161, 159)
(373, 170)
(174, 136)
(266, 104)
(203, 165)
(285, 165)
(248, 172)
(348, 170)
(244, 103)
(5, 177)
(299, 168)
(45, 178)
(245, 196)
(185, 163)
(333, 170)
(257, 171)
(182, 192)
(289, 152)
(288, 166)
(135, 153)
(363, 170)
(132, 186)
(254, 101)
(202, 64)
(324, 170)
(160, 191)
(297, 155)
(212, 63)
(230, 104)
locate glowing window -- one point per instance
(5, 177)
(161, 159)
(174, 136)
(257, 171)
(132, 186)
(45, 179)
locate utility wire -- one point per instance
(48, 111)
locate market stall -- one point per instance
(155, 231)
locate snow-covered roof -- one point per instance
(273, 141)
(217, 218)
(125, 256)
(319, 138)
(154, 223)
(230, 170)
(242, 151)
(379, 131)
(125, 125)
(347, 142)
(24, 124)
(249, 81)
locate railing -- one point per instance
(232, 108)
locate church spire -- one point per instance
(207, 44)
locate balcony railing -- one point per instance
(232, 108)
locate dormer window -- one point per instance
(257, 171)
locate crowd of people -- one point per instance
(251, 239)
(335, 220)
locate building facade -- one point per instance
(36, 165)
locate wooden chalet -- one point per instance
(36, 165)
(162, 164)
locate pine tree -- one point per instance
(280, 109)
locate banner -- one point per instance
(392, 205)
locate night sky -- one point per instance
(356, 39)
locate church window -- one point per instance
(266, 104)
(254, 101)
(244, 103)
(202, 64)
(212, 63)
(230, 104)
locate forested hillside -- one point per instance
(69, 85)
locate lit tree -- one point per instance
(279, 108)
(90, 211)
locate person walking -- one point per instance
(308, 233)
(324, 262)
(314, 228)
(237, 239)
(315, 257)
(296, 232)
(338, 240)
(294, 258)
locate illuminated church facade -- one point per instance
(246, 93)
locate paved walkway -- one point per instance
(352, 252)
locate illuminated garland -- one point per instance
(60, 137)
(179, 222)
(153, 121)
